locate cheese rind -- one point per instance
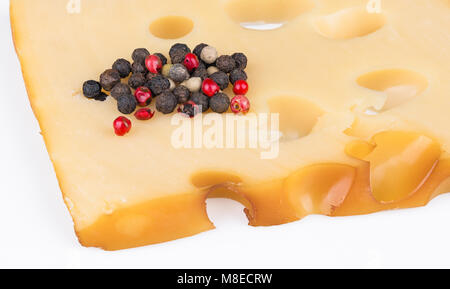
(156, 221)
(120, 197)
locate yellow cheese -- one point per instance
(363, 99)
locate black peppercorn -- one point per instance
(123, 66)
(178, 52)
(91, 88)
(219, 103)
(119, 90)
(109, 78)
(202, 65)
(138, 67)
(162, 57)
(190, 109)
(198, 50)
(178, 73)
(136, 80)
(139, 55)
(200, 71)
(126, 104)
(200, 99)
(158, 84)
(182, 93)
(150, 75)
(166, 102)
(237, 74)
(226, 63)
(221, 78)
(241, 60)
(101, 97)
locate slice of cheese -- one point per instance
(363, 98)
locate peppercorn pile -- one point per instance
(194, 82)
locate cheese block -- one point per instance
(361, 88)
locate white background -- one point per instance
(36, 229)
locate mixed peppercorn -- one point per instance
(194, 81)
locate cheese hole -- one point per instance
(371, 111)
(398, 85)
(224, 207)
(224, 201)
(212, 178)
(298, 116)
(229, 192)
(171, 27)
(349, 23)
(265, 14)
(261, 25)
(223, 198)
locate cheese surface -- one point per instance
(363, 99)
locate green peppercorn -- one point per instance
(178, 73)
(136, 80)
(226, 63)
(178, 52)
(237, 74)
(139, 55)
(201, 99)
(123, 66)
(219, 103)
(241, 60)
(126, 104)
(166, 102)
(91, 88)
(165, 70)
(221, 78)
(109, 78)
(119, 90)
(182, 93)
(158, 84)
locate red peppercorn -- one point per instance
(191, 61)
(143, 96)
(210, 87)
(153, 63)
(240, 104)
(144, 114)
(240, 87)
(122, 126)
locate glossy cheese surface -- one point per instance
(363, 100)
